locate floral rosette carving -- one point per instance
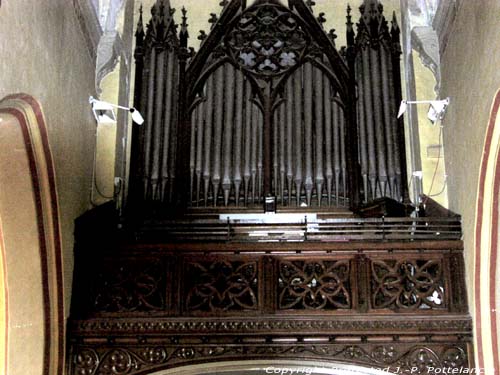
(411, 284)
(267, 40)
(314, 285)
(86, 362)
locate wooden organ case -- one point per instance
(268, 214)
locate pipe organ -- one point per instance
(267, 108)
(268, 113)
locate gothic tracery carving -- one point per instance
(222, 285)
(267, 40)
(314, 285)
(408, 284)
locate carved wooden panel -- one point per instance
(221, 285)
(314, 285)
(129, 286)
(256, 283)
(408, 284)
(395, 357)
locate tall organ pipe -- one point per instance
(149, 125)
(238, 135)
(208, 137)
(308, 120)
(199, 148)
(228, 131)
(343, 160)
(379, 120)
(370, 139)
(362, 122)
(289, 105)
(173, 129)
(395, 126)
(260, 160)
(168, 115)
(158, 127)
(247, 169)
(219, 118)
(192, 153)
(297, 119)
(282, 143)
(389, 129)
(276, 147)
(337, 150)
(318, 111)
(254, 150)
(327, 108)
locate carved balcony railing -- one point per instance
(153, 305)
(249, 280)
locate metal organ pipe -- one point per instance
(379, 122)
(237, 150)
(318, 111)
(369, 115)
(343, 160)
(218, 123)
(227, 146)
(200, 110)
(389, 129)
(362, 121)
(247, 172)
(308, 125)
(260, 144)
(327, 108)
(192, 153)
(158, 126)
(168, 114)
(282, 151)
(208, 137)
(337, 140)
(254, 150)
(149, 126)
(394, 126)
(297, 141)
(289, 105)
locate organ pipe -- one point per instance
(218, 120)
(319, 126)
(247, 173)
(228, 131)
(327, 108)
(148, 139)
(208, 137)
(238, 136)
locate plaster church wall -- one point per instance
(44, 54)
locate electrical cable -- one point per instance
(436, 169)
(95, 185)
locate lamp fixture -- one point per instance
(104, 111)
(437, 108)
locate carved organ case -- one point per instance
(268, 113)
(268, 108)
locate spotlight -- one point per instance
(104, 111)
(437, 108)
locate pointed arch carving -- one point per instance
(265, 48)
